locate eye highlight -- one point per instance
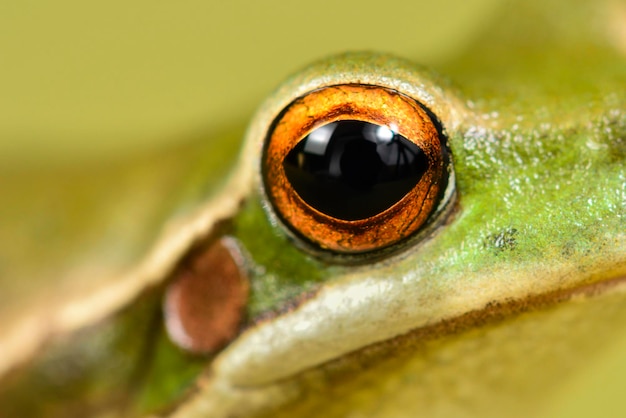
(354, 168)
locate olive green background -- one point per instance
(92, 79)
(82, 81)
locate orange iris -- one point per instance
(394, 112)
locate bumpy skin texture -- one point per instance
(531, 255)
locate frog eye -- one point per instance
(354, 168)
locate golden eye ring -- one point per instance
(330, 229)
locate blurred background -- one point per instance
(82, 82)
(90, 80)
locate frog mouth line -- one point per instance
(496, 312)
(342, 368)
(493, 313)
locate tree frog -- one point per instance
(470, 267)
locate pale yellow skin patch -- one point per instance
(439, 375)
(366, 308)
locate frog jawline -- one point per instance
(337, 322)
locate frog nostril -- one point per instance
(354, 168)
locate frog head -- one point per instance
(497, 243)
(522, 247)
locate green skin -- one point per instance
(540, 208)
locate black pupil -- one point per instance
(353, 170)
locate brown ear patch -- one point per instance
(205, 302)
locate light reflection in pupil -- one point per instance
(353, 169)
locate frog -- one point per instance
(515, 280)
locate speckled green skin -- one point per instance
(539, 157)
(539, 147)
(512, 182)
(537, 184)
